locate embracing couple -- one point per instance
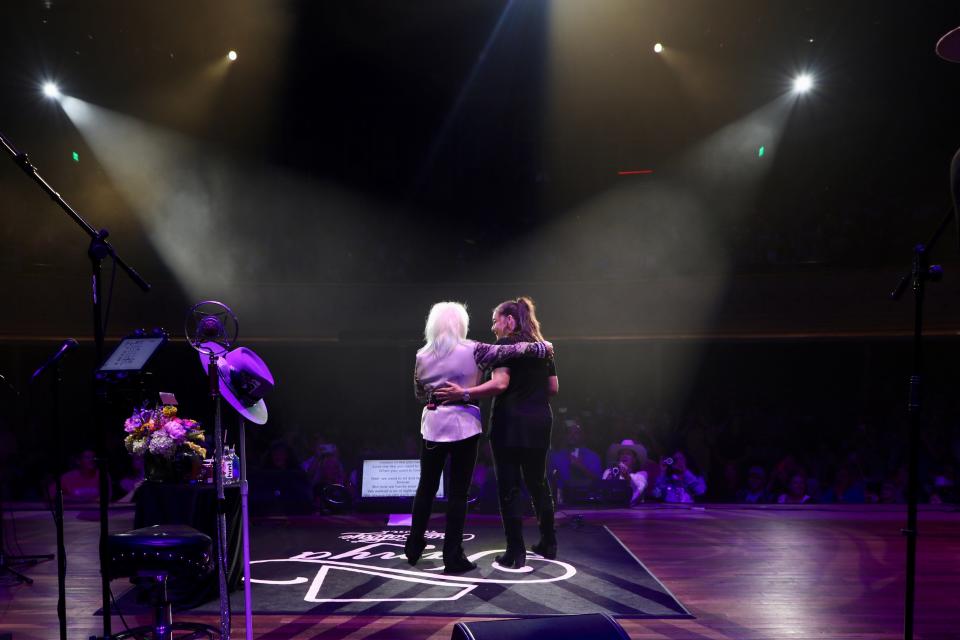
(448, 379)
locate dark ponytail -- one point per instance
(524, 313)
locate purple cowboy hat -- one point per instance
(244, 381)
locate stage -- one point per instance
(739, 572)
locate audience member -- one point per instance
(942, 486)
(899, 484)
(796, 491)
(132, 481)
(888, 493)
(329, 471)
(846, 488)
(677, 483)
(630, 458)
(321, 447)
(755, 492)
(728, 488)
(782, 473)
(81, 484)
(279, 457)
(574, 468)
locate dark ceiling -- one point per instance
(481, 141)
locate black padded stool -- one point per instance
(156, 552)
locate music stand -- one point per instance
(130, 357)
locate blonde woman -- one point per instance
(453, 429)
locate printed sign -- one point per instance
(392, 479)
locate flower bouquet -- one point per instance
(172, 447)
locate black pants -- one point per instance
(433, 455)
(514, 465)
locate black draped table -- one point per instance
(194, 505)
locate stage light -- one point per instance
(232, 56)
(658, 48)
(803, 83)
(762, 150)
(51, 90)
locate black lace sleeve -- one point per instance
(488, 356)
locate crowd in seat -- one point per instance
(602, 455)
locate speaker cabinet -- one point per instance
(588, 626)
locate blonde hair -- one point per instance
(447, 324)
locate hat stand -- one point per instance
(214, 376)
(211, 328)
(245, 523)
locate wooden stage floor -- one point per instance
(745, 573)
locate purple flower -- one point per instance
(175, 429)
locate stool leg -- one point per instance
(163, 629)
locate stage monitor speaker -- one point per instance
(588, 626)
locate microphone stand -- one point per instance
(98, 250)
(53, 365)
(7, 561)
(58, 506)
(921, 272)
(214, 375)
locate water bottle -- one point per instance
(227, 465)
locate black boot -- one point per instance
(413, 547)
(515, 556)
(455, 561)
(547, 547)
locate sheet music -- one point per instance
(131, 354)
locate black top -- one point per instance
(521, 415)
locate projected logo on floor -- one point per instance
(381, 548)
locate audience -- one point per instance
(81, 484)
(322, 448)
(942, 484)
(279, 457)
(574, 468)
(796, 491)
(728, 488)
(847, 488)
(630, 458)
(133, 479)
(755, 491)
(747, 452)
(677, 483)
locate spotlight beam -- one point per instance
(51, 90)
(98, 237)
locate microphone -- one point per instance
(210, 329)
(68, 345)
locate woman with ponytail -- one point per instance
(453, 429)
(520, 425)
